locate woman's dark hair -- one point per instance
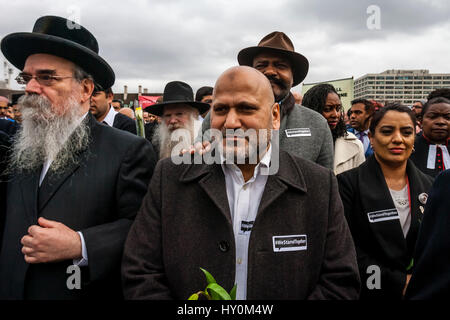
(315, 99)
(434, 101)
(395, 106)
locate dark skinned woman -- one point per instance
(431, 153)
(348, 150)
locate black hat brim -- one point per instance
(158, 109)
(17, 47)
(300, 64)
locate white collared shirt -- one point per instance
(109, 119)
(243, 199)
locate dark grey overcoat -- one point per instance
(184, 223)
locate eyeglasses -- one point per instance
(42, 79)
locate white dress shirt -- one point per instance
(109, 119)
(84, 260)
(243, 199)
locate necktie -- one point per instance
(361, 136)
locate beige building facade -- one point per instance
(404, 86)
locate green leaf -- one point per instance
(411, 264)
(207, 295)
(209, 278)
(219, 291)
(233, 292)
(193, 297)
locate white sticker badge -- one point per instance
(383, 215)
(298, 132)
(289, 243)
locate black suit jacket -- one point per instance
(420, 156)
(364, 190)
(431, 275)
(9, 127)
(99, 197)
(125, 123)
(4, 150)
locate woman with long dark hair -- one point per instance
(348, 150)
(384, 200)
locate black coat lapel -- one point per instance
(419, 185)
(29, 184)
(215, 186)
(212, 180)
(375, 196)
(53, 181)
(288, 175)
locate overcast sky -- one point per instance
(152, 42)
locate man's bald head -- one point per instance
(5, 109)
(245, 112)
(127, 112)
(4, 101)
(243, 78)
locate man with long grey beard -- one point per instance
(179, 113)
(75, 185)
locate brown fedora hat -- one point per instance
(277, 42)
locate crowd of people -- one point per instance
(281, 196)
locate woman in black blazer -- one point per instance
(384, 200)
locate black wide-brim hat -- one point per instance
(177, 92)
(279, 43)
(63, 38)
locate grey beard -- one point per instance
(45, 135)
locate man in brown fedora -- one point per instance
(303, 132)
(179, 113)
(75, 184)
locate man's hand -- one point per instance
(51, 241)
(199, 147)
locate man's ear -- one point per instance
(87, 88)
(370, 137)
(110, 97)
(275, 111)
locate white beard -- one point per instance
(172, 140)
(45, 135)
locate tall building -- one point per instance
(344, 88)
(404, 86)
